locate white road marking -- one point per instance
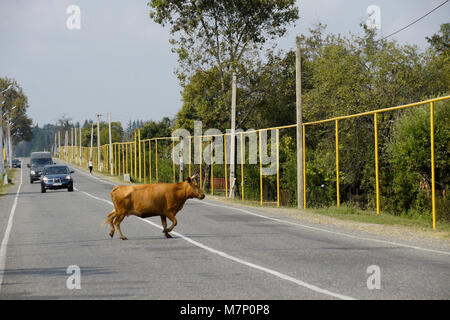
(324, 230)
(4, 245)
(238, 260)
(320, 229)
(94, 177)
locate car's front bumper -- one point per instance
(64, 184)
(36, 175)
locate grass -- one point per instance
(384, 218)
(11, 174)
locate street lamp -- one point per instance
(9, 143)
(2, 167)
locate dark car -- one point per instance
(16, 163)
(37, 163)
(56, 177)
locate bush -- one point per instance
(409, 157)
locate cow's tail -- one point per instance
(109, 218)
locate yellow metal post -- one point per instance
(131, 159)
(377, 183)
(119, 149)
(114, 158)
(140, 152)
(156, 159)
(278, 166)
(150, 160)
(337, 164)
(433, 187)
(135, 156)
(145, 167)
(126, 157)
(173, 162)
(304, 166)
(260, 169)
(242, 166)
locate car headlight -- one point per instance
(32, 172)
(45, 179)
(68, 177)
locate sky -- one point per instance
(120, 61)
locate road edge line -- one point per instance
(4, 245)
(325, 230)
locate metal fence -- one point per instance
(154, 160)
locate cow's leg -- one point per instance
(164, 225)
(117, 222)
(174, 223)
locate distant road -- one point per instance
(218, 252)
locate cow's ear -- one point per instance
(189, 180)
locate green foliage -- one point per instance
(152, 129)
(409, 156)
(218, 33)
(441, 42)
(15, 105)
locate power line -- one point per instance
(415, 21)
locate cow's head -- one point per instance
(193, 190)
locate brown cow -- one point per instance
(149, 200)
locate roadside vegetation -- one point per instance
(11, 175)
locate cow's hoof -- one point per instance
(165, 231)
(124, 238)
(111, 234)
(168, 236)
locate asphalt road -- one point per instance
(218, 252)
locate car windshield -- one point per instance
(56, 170)
(41, 161)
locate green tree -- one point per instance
(441, 41)
(218, 33)
(153, 129)
(15, 104)
(409, 155)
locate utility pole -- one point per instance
(2, 101)
(75, 149)
(92, 141)
(2, 164)
(9, 141)
(99, 165)
(66, 143)
(55, 145)
(59, 144)
(110, 145)
(298, 78)
(233, 138)
(81, 157)
(180, 178)
(71, 146)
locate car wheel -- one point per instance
(43, 190)
(70, 189)
(31, 181)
